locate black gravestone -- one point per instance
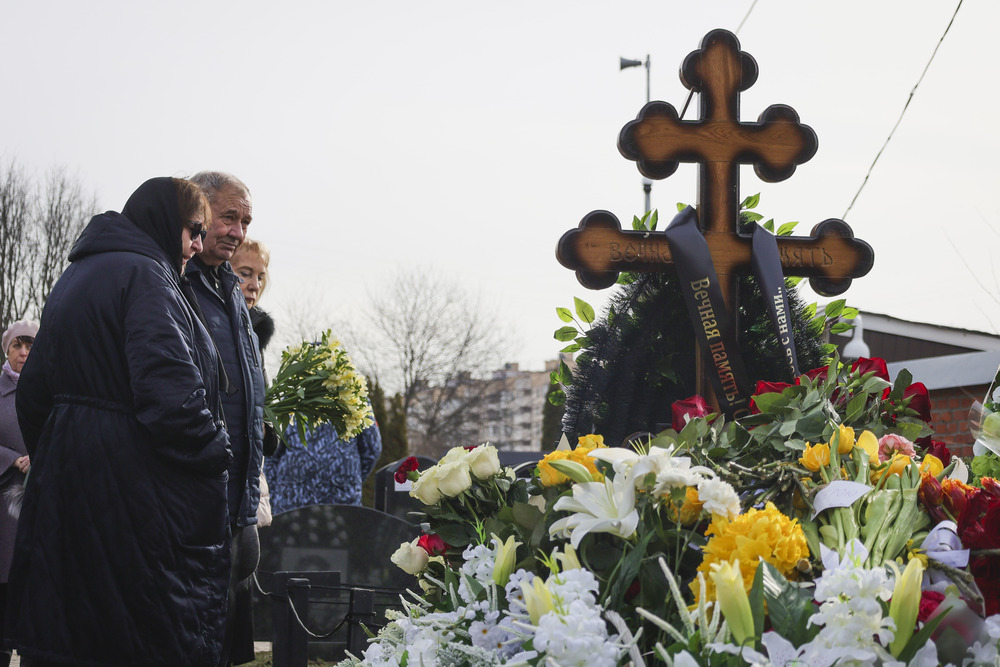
(353, 540)
(394, 498)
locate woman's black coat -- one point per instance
(122, 553)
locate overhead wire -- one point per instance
(903, 112)
(738, 28)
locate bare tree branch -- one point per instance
(439, 348)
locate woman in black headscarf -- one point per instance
(122, 553)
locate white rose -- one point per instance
(425, 488)
(411, 558)
(453, 478)
(454, 455)
(484, 461)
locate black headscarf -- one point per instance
(153, 208)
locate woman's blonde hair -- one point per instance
(257, 248)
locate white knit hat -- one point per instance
(19, 328)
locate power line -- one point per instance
(738, 28)
(905, 107)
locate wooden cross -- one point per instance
(658, 140)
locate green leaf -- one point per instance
(584, 310)
(564, 314)
(788, 606)
(787, 228)
(771, 401)
(769, 225)
(565, 374)
(751, 216)
(795, 280)
(681, 206)
(850, 313)
(565, 333)
(756, 596)
(855, 408)
(653, 220)
(571, 348)
(557, 397)
(840, 327)
(835, 308)
(751, 201)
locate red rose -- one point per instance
(865, 365)
(979, 528)
(766, 388)
(689, 408)
(919, 400)
(815, 374)
(940, 450)
(991, 486)
(929, 601)
(406, 466)
(433, 544)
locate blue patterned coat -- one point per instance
(327, 471)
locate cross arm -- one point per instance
(598, 249)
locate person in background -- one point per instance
(222, 302)
(14, 460)
(122, 548)
(325, 471)
(250, 262)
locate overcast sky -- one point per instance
(466, 137)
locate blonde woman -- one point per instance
(250, 263)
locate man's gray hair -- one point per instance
(212, 182)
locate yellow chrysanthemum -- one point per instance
(756, 534)
(589, 442)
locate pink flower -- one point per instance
(892, 443)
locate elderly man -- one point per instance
(225, 311)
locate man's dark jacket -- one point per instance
(122, 551)
(229, 322)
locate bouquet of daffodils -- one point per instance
(318, 383)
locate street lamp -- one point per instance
(623, 63)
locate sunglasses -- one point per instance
(197, 229)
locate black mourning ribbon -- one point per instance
(766, 262)
(713, 325)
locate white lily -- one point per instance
(600, 507)
(670, 471)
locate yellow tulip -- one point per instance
(815, 456)
(898, 464)
(869, 443)
(931, 464)
(733, 600)
(845, 442)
